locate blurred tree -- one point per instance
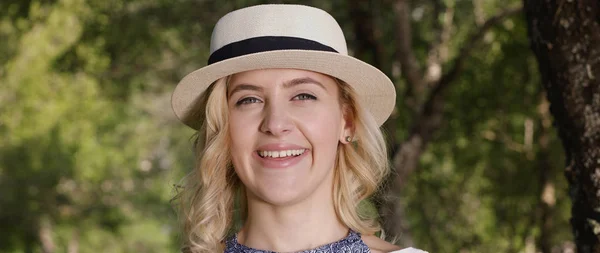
(426, 86)
(488, 180)
(565, 37)
(81, 163)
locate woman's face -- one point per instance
(285, 126)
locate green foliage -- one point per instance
(90, 150)
(80, 148)
(479, 185)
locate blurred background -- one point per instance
(90, 151)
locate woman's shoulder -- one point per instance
(409, 250)
(378, 245)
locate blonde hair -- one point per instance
(206, 202)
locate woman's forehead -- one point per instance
(284, 77)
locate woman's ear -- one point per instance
(347, 131)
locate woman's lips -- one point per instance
(280, 162)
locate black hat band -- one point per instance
(264, 44)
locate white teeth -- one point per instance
(282, 153)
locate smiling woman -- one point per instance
(305, 118)
(288, 124)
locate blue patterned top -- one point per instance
(350, 244)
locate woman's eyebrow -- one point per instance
(287, 84)
(245, 86)
(302, 80)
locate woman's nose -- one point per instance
(276, 121)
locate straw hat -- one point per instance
(283, 36)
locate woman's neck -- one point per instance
(306, 225)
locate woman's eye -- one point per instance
(248, 100)
(305, 96)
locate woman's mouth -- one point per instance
(281, 153)
(280, 159)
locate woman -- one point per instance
(288, 135)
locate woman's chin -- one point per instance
(280, 196)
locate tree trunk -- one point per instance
(565, 37)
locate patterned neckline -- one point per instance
(351, 243)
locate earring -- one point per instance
(348, 139)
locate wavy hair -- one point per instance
(208, 196)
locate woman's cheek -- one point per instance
(322, 123)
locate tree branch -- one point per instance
(408, 62)
(465, 51)
(478, 12)
(45, 232)
(438, 53)
(74, 242)
(545, 206)
(431, 116)
(428, 120)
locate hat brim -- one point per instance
(376, 91)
